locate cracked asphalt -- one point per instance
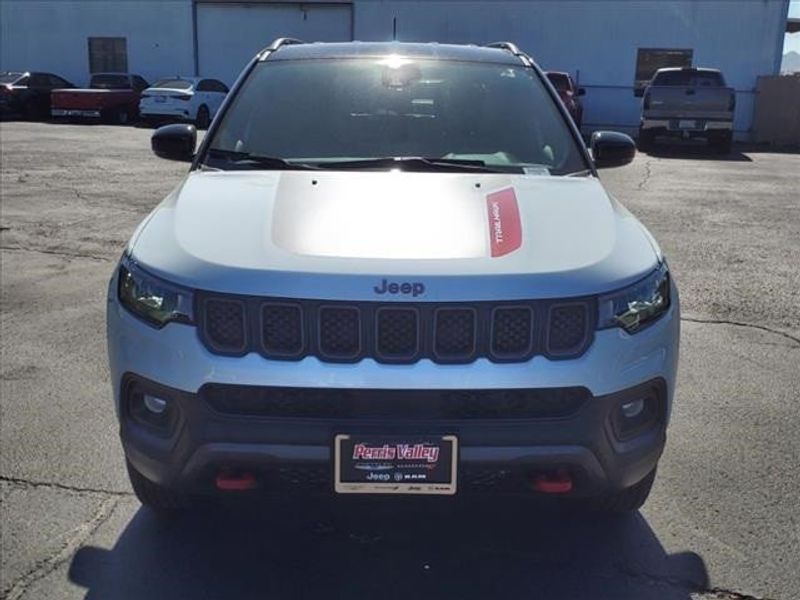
(722, 522)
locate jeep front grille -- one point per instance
(402, 332)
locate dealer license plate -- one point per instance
(687, 124)
(395, 464)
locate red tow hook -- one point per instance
(233, 481)
(558, 482)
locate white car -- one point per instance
(193, 99)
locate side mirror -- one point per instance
(581, 92)
(611, 149)
(174, 142)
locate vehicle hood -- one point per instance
(339, 235)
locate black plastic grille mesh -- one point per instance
(339, 332)
(397, 333)
(454, 337)
(567, 328)
(343, 403)
(512, 333)
(282, 329)
(224, 325)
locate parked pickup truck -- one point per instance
(111, 97)
(688, 102)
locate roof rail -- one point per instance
(284, 41)
(508, 46)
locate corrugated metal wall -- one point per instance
(595, 41)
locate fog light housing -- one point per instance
(155, 404)
(630, 410)
(150, 409)
(635, 415)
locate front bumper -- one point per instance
(294, 452)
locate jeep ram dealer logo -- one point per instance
(415, 288)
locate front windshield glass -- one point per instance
(323, 111)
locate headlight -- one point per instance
(637, 305)
(154, 300)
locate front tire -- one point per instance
(645, 140)
(154, 496)
(722, 143)
(203, 119)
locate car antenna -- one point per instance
(394, 29)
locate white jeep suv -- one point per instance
(392, 268)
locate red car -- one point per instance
(110, 97)
(569, 93)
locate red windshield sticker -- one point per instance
(505, 230)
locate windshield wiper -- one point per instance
(583, 173)
(246, 160)
(412, 163)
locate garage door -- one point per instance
(229, 35)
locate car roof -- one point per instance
(431, 50)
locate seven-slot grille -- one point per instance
(402, 332)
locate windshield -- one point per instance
(323, 111)
(173, 84)
(9, 77)
(110, 82)
(689, 78)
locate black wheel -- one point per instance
(721, 143)
(32, 111)
(152, 495)
(122, 117)
(628, 500)
(646, 139)
(203, 119)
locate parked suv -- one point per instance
(392, 268)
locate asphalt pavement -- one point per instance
(722, 523)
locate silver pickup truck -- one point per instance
(688, 102)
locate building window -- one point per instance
(650, 60)
(108, 55)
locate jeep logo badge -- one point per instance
(415, 288)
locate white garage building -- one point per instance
(609, 46)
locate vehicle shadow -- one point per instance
(387, 549)
(694, 150)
